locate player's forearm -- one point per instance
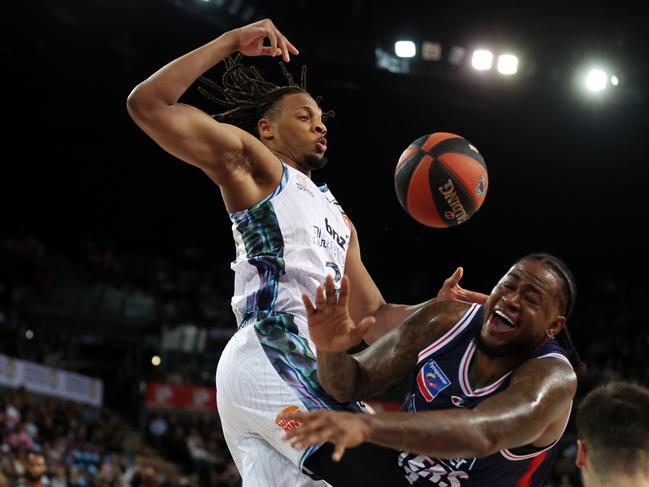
(168, 84)
(444, 434)
(389, 316)
(338, 373)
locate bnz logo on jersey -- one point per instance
(431, 380)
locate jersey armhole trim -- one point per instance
(461, 324)
(237, 216)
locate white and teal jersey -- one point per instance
(285, 246)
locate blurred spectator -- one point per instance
(34, 473)
(158, 429)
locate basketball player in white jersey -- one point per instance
(289, 234)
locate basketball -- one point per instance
(441, 180)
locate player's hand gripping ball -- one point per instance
(441, 180)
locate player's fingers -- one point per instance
(455, 277)
(284, 48)
(331, 290)
(291, 47)
(339, 451)
(343, 297)
(320, 301)
(312, 437)
(362, 327)
(272, 37)
(266, 51)
(473, 296)
(308, 306)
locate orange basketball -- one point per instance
(441, 180)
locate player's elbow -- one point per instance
(136, 104)
(340, 395)
(483, 445)
(140, 104)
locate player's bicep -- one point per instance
(539, 394)
(194, 137)
(393, 356)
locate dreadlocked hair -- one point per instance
(568, 298)
(248, 97)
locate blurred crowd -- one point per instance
(179, 304)
(63, 444)
(196, 443)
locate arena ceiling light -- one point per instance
(482, 60)
(507, 64)
(615, 81)
(431, 51)
(156, 360)
(405, 49)
(596, 80)
(456, 55)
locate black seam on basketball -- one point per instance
(403, 177)
(470, 191)
(459, 146)
(454, 194)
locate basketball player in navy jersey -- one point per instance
(492, 390)
(613, 431)
(289, 234)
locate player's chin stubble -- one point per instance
(314, 163)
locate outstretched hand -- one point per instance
(451, 290)
(330, 326)
(250, 40)
(344, 430)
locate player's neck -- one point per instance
(289, 161)
(485, 370)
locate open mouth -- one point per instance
(321, 145)
(501, 322)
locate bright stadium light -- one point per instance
(507, 64)
(482, 59)
(405, 49)
(596, 80)
(615, 81)
(156, 360)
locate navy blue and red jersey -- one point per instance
(442, 382)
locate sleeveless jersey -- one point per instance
(442, 382)
(285, 246)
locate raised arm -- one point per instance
(355, 377)
(532, 410)
(366, 299)
(239, 163)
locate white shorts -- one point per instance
(266, 368)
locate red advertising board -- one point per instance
(185, 398)
(195, 398)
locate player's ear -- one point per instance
(265, 128)
(556, 326)
(580, 461)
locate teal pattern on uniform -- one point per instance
(296, 364)
(264, 245)
(288, 352)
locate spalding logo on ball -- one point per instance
(441, 180)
